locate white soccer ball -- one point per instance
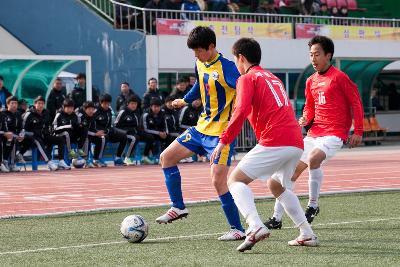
(78, 163)
(134, 228)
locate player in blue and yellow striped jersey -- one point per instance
(216, 82)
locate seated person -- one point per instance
(155, 128)
(172, 119)
(86, 126)
(36, 123)
(105, 132)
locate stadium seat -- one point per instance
(352, 5)
(323, 2)
(331, 3)
(375, 125)
(342, 4)
(366, 126)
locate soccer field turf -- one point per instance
(354, 230)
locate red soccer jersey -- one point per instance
(261, 97)
(332, 99)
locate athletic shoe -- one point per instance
(14, 168)
(99, 163)
(81, 153)
(129, 161)
(72, 155)
(172, 214)
(52, 165)
(272, 223)
(305, 241)
(3, 167)
(62, 165)
(147, 161)
(311, 213)
(232, 235)
(119, 162)
(89, 164)
(20, 158)
(252, 237)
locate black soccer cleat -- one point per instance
(272, 223)
(311, 213)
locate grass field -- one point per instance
(354, 230)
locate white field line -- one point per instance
(171, 238)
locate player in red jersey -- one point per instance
(332, 100)
(261, 98)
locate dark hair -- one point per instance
(81, 75)
(39, 98)
(88, 104)
(22, 101)
(58, 79)
(169, 98)
(68, 103)
(126, 83)
(11, 98)
(132, 98)
(105, 98)
(1, 78)
(181, 80)
(155, 101)
(325, 42)
(201, 37)
(249, 48)
(151, 79)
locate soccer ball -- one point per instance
(134, 228)
(78, 163)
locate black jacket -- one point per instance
(172, 119)
(121, 100)
(102, 120)
(12, 122)
(36, 124)
(128, 120)
(148, 96)
(65, 122)
(189, 116)
(179, 94)
(86, 123)
(78, 95)
(154, 124)
(55, 101)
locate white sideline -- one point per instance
(173, 237)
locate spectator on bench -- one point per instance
(151, 92)
(78, 94)
(36, 123)
(87, 128)
(13, 134)
(155, 128)
(105, 132)
(180, 90)
(172, 119)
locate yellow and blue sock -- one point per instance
(173, 183)
(231, 211)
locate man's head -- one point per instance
(81, 79)
(1, 82)
(105, 101)
(152, 84)
(68, 106)
(168, 102)
(181, 85)
(57, 84)
(247, 52)
(39, 103)
(125, 88)
(12, 103)
(192, 80)
(89, 108)
(22, 104)
(132, 103)
(202, 41)
(155, 105)
(321, 52)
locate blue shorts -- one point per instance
(203, 144)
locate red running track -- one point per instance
(44, 192)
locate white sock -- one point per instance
(291, 204)
(278, 208)
(244, 200)
(314, 184)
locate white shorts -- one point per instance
(328, 144)
(278, 163)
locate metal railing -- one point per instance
(129, 17)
